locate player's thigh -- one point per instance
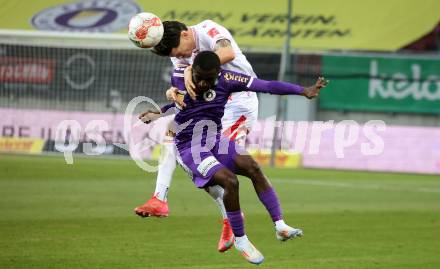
(246, 166)
(200, 167)
(225, 178)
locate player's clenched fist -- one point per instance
(173, 94)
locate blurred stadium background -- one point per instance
(62, 60)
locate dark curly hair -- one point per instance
(170, 38)
(206, 61)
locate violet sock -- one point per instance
(236, 221)
(270, 201)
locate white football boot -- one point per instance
(285, 232)
(248, 251)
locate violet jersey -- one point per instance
(208, 108)
(206, 35)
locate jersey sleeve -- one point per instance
(165, 108)
(237, 82)
(274, 87)
(233, 81)
(179, 62)
(211, 32)
(177, 78)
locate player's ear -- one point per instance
(184, 34)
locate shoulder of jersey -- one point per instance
(204, 24)
(180, 67)
(178, 71)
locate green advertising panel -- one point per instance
(381, 84)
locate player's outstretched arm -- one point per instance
(150, 115)
(284, 88)
(313, 91)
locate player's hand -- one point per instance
(149, 116)
(313, 91)
(189, 84)
(173, 96)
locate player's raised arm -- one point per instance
(175, 93)
(219, 40)
(224, 50)
(285, 88)
(241, 82)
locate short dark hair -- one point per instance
(207, 60)
(170, 38)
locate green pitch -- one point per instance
(54, 215)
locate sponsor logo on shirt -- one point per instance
(230, 76)
(206, 165)
(213, 32)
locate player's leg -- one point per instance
(227, 236)
(157, 206)
(229, 182)
(246, 166)
(209, 171)
(236, 124)
(167, 165)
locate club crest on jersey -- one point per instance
(209, 95)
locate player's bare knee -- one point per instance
(231, 182)
(254, 169)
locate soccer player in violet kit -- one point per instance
(210, 158)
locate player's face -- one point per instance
(204, 80)
(186, 46)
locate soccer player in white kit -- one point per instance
(182, 44)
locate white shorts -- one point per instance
(241, 113)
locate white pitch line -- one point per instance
(328, 183)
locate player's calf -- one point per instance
(248, 167)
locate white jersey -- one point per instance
(206, 35)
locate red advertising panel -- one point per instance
(26, 70)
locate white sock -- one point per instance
(167, 165)
(281, 225)
(240, 240)
(216, 193)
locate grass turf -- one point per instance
(54, 215)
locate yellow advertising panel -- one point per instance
(262, 157)
(316, 24)
(21, 145)
(282, 158)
